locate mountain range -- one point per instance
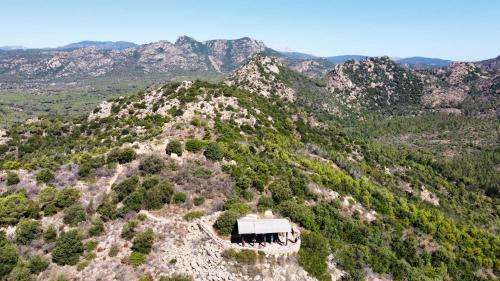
(98, 58)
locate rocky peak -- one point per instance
(188, 43)
(373, 83)
(261, 75)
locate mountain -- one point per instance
(298, 55)
(423, 62)
(149, 186)
(186, 55)
(344, 58)
(489, 65)
(10, 48)
(107, 45)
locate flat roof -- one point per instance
(262, 226)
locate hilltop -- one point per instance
(181, 153)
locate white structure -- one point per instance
(263, 226)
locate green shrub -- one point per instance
(143, 242)
(8, 255)
(50, 210)
(27, 230)
(281, 191)
(151, 164)
(107, 210)
(97, 227)
(125, 187)
(158, 196)
(45, 175)
(128, 229)
(15, 206)
(298, 213)
(243, 256)
(195, 145)
(68, 248)
(67, 197)
(197, 201)
(150, 181)
(19, 273)
(193, 215)
(226, 222)
(175, 147)
(37, 264)
(91, 245)
(136, 259)
(50, 234)
(214, 151)
(265, 203)
(12, 178)
(121, 156)
(74, 215)
(113, 251)
(48, 194)
(135, 199)
(82, 265)
(179, 197)
(314, 249)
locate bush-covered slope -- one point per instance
(397, 212)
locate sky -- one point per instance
(465, 30)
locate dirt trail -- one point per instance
(119, 171)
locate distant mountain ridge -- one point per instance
(106, 45)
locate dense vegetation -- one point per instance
(276, 161)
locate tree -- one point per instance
(74, 215)
(12, 178)
(143, 242)
(45, 175)
(214, 151)
(68, 248)
(151, 164)
(67, 197)
(226, 221)
(175, 147)
(27, 230)
(97, 227)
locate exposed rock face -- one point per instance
(310, 67)
(463, 88)
(379, 84)
(373, 83)
(186, 54)
(260, 75)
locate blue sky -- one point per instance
(458, 30)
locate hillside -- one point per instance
(174, 156)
